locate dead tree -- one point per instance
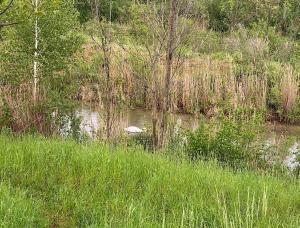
(104, 34)
(163, 40)
(177, 36)
(168, 72)
(154, 42)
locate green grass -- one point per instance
(51, 182)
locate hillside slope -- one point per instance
(49, 182)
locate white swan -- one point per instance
(134, 130)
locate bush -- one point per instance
(143, 139)
(230, 142)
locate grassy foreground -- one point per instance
(49, 182)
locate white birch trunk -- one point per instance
(35, 63)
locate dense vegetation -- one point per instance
(225, 55)
(50, 182)
(234, 63)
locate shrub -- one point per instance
(230, 142)
(143, 139)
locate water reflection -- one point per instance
(92, 120)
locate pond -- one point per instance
(92, 121)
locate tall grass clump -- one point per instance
(18, 209)
(101, 186)
(289, 91)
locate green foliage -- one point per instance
(6, 117)
(100, 186)
(57, 38)
(258, 37)
(231, 142)
(225, 15)
(206, 42)
(114, 9)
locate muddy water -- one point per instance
(92, 121)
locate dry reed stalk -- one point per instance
(202, 84)
(251, 92)
(19, 103)
(289, 89)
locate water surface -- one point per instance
(92, 118)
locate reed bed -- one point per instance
(56, 183)
(204, 84)
(199, 85)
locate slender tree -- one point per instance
(102, 35)
(169, 63)
(35, 4)
(177, 35)
(149, 31)
(156, 27)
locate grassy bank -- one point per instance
(49, 182)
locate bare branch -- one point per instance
(8, 24)
(6, 8)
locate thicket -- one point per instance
(230, 142)
(234, 57)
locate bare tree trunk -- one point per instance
(168, 73)
(108, 102)
(35, 63)
(97, 13)
(154, 105)
(106, 46)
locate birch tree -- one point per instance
(35, 4)
(42, 43)
(35, 58)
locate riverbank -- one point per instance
(53, 182)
